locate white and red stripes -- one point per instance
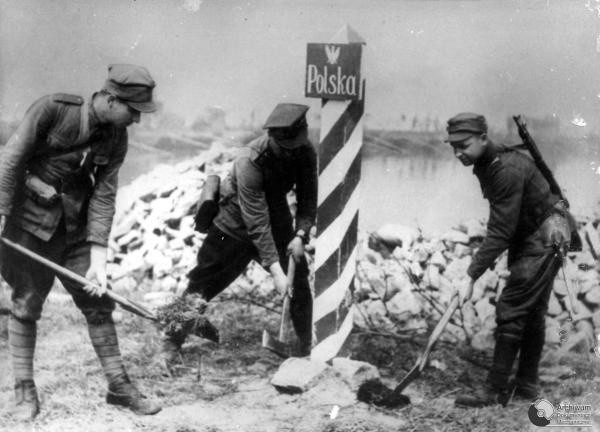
(339, 160)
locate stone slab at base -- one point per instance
(298, 374)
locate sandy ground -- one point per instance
(226, 387)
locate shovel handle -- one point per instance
(435, 335)
(438, 330)
(570, 302)
(126, 303)
(285, 313)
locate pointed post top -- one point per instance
(347, 35)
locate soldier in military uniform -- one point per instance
(254, 219)
(531, 222)
(58, 181)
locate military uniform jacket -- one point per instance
(520, 200)
(253, 202)
(60, 142)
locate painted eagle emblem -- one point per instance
(332, 53)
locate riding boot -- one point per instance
(526, 381)
(495, 390)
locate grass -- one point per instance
(226, 386)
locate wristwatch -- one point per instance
(303, 235)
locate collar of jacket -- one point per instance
(489, 155)
(94, 120)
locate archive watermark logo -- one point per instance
(543, 413)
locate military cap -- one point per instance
(463, 125)
(133, 85)
(286, 115)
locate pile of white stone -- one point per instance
(402, 282)
(153, 237)
(398, 288)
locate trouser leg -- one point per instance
(221, 259)
(534, 334)
(521, 311)
(103, 335)
(97, 312)
(505, 352)
(532, 345)
(30, 282)
(519, 316)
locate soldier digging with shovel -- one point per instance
(528, 217)
(254, 221)
(58, 181)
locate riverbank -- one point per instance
(400, 291)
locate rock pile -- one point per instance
(153, 236)
(403, 278)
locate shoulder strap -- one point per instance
(67, 98)
(84, 124)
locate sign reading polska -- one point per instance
(333, 71)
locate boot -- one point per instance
(487, 395)
(524, 391)
(303, 346)
(526, 381)
(495, 391)
(122, 392)
(27, 404)
(170, 354)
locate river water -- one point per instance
(434, 194)
(437, 194)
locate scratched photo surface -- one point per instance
(220, 67)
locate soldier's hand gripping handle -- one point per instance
(296, 249)
(279, 277)
(97, 271)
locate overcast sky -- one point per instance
(422, 57)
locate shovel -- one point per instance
(373, 391)
(280, 346)
(125, 303)
(435, 335)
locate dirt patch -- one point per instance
(377, 393)
(230, 390)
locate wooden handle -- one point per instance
(126, 303)
(438, 330)
(570, 302)
(285, 313)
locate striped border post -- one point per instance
(339, 162)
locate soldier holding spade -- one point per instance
(254, 220)
(531, 220)
(58, 181)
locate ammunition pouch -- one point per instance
(559, 229)
(40, 192)
(208, 205)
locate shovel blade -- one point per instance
(274, 345)
(410, 377)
